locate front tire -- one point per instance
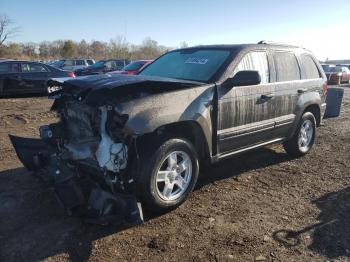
(167, 175)
(303, 139)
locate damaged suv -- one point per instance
(123, 139)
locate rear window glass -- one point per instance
(325, 67)
(287, 67)
(134, 66)
(335, 69)
(310, 68)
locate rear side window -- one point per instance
(287, 68)
(79, 62)
(30, 68)
(310, 68)
(256, 61)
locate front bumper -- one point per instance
(79, 193)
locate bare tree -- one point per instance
(7, 28)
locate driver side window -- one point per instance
(257, 61)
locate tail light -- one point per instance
(71, 74)
(325, 88)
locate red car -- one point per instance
(337, 75)
(134, 67)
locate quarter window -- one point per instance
(287, 67)
(256, 61)
(311, 70)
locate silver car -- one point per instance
(73, 64)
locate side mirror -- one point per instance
(245, 78)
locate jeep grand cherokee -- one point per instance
(122, 139)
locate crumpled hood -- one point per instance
(96, 89)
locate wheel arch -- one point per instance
(189, 130)
(316, 111)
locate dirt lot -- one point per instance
(258, 206)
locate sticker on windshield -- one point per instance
(194, 60)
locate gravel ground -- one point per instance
(261, 206)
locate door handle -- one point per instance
(266, 96)
(301, 91)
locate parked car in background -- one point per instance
(147, 135)
(103, 66)
(133, 68)
(346, 65)
(326, 67)
(337, 75)
(25, 77)
(73, 64)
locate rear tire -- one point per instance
(167, 175)
(303, 138)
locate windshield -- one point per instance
(98, 63)
(189, 64)
(134, 66)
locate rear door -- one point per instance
(295, 76)
(34, 77)
(288, 82)
(9, 78)
(246, 113)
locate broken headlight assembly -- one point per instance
(83, 163)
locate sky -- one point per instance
(323, 26)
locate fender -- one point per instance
(151, 112)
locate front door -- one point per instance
(246, 113)
(34, 77)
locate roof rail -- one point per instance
(264, 42)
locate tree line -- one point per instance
(52, 50)
(118, 47)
